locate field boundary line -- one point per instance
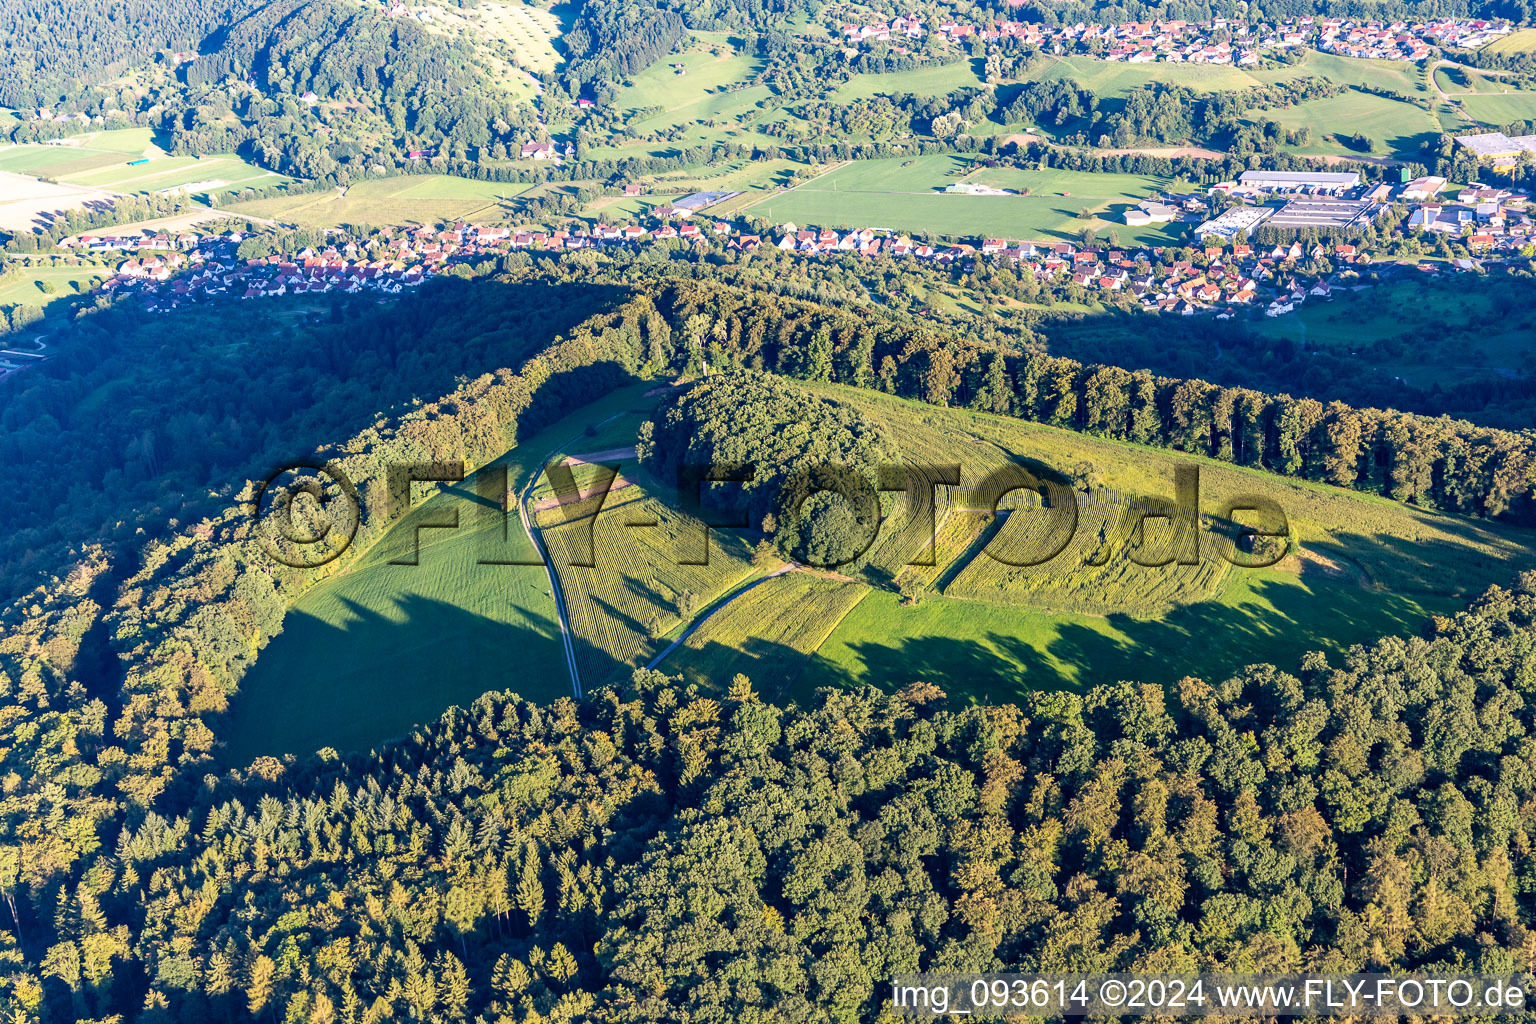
(784, 192)
(536, 537)
(810, 655)
(693, 626)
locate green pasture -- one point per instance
(1396, 128)
(1519, 41)
(1365, 567)
(1425, 331)
(22, 285)
(368, 653)
(1501, 108)
(935, 80)
(1113, 79)
(903, 195)
(709, 86)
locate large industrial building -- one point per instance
(1332, 215)
(1236, 223)
(1502, 151)
(1331, 182)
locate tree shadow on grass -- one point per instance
(1283, 621)
(373, 677)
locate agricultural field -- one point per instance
(408, 199)
(903, 195)
(1112, 80)
(1422, 331)
(368, 653)
(100, 161)
(767, 634)
(625, 578)
(515, 40)
(1396, 129)
(1500, 108)
(937, 80)
(1519, 41)
(26, 285)
(1359, 567)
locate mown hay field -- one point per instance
(1360, 567)
(370, 652)
(627, 577)
(767, 634)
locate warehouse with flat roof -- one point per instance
(1293, 181)
(1502, 151)
(1238, 222)
(1325, 215)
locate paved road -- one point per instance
(536, 536)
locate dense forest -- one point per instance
(108, 442)
(653, 854)
(520, 863)
(111, 441)
(804, 452)
(53, 48)
(1434, 462)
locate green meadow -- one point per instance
(1425, 331)
(24, 284)
(936, 80)
(1519, 41)
(406, 199)
(367, 653)
(382, 645)
(903, 194)
(1364, 567)
(1501, 108)
(106, 160)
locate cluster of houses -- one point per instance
(173, 269)
(553, 152)
(1402, 40)
(1487, 220)
(397, 9)
(387, 263)
(396, 260)
(1220, 41)
(133, 241)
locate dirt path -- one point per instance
(536, 537)
(1450, 99)
(693, 626)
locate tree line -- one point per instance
(518, 862)
(1429, 461)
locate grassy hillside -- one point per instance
(1365, 567)
(365, 655)
(1520, 41)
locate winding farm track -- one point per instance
(1452, 99)
(536, 537)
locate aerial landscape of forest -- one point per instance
(648, 510)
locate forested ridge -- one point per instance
(1437, 462)
(549, 863)
(54, 47)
